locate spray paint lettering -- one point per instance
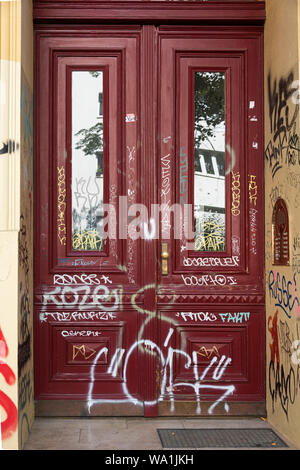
(235, 317)
(284, 367)
(77, 316)
(252, 188)
(167, 383)
(209, 280)
(209, 262)
(283, 147)
(9, 425)
(83, 297)
(283, 292)
(236, 194)
(253, 230)
(61, 205)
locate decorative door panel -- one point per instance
(221, 180)
(210, 361)
(88, 132)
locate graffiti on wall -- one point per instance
(25, 256)
(284, 366)
(9, 424)
(283, 148)
(283, 292)
(25, 374)
(296, 253)
(24, 348)
(27, 120)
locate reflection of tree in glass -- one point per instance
(91, 142)
(76, 219)
(209, 104)
(91, 139)
(95, 74)
(91, 218)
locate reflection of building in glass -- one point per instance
(209, 161)
(100, 169)
(209, 206)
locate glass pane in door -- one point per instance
(87, 160)
(209, 161)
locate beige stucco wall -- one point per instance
(282, 179)
(25, 285)
(16, 273)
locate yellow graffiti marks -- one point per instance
(252, 188)
(82, 351)
(61, 205)
(207, 353)
(87, 240)
(236, 193)
(210, 237)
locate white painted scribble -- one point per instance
(167, 383)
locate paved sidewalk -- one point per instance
(129, 433)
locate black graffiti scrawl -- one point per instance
(283, 105)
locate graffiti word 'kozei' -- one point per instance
(84, 297)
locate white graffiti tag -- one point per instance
(201, 383)
(83, 298)
(209, 280)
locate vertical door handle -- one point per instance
(164, 258)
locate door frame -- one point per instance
(226, 12)
(243, 18)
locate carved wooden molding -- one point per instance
(145, 11)
(211, 299)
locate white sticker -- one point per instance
(130, 117)
(252, 104)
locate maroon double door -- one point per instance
(147, 320)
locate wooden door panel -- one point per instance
(55, 146)
(240, 269)
(85, 319)
(209, 353)
(210, 302)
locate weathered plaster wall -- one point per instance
(9, 219)
(25, 310)
(16, 81)
(282, 179)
